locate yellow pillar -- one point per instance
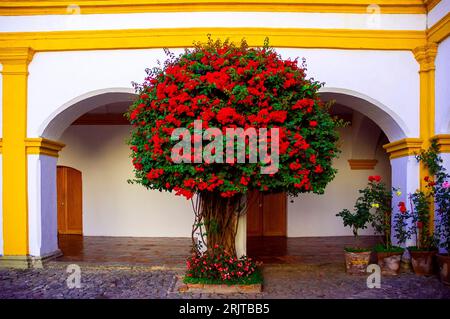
(426, 56)
(15, 209)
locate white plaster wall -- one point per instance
(111, 206)
(405, 177)
(42, 218)
(442, 88)
(446, 161)
(213, 19)
(389, 77)
(314, 215)
(438, 12)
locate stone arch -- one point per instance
(53, 127)
(391, 123)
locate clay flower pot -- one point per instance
(389, 262)
(356, 262)
(444, 268)
(423, 261)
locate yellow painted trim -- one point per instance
(360, 164)
(43, 146)
(430, 4)
(15, 195)
(425, 56)
(9, 8)
(403, 147)
(443, 141)
(184, 37)
(439, 31)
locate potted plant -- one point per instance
(356, 258)
(417, 224)
(380, 197)
(440, 190)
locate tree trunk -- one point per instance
(219, 217)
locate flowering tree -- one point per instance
(220, 85)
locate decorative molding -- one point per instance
(403, 147)
(43, 146)
(46, 7)
(359, 164)
(15, 60)
(26, 262)
(101, 119)
(443, 140)
(426, 55)
(430, 4)
(184, 37)
(440, 30)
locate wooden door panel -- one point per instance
(60, 197)
(74, 202)
(69, 195)
(274, 214)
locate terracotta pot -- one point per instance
(389, 262)
(444, 268)
(356, 262)
(423, 262)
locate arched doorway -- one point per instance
(90, 127)
(310, 218)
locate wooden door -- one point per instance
(69, 196)
(266, 214)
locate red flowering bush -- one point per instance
(230, 86)
(217, 265)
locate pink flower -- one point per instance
(446, 184)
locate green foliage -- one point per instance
(254, 278)
(439, 190)
(228, 84)
(356, 250)
(373, 206)
(380, 248)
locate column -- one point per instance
(42, 206)
(405, 173)
(14, 162)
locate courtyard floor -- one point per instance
(281, 281)
(152, 268)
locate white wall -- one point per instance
(389, 77)
(111, 207)
(442, 88)
(42, 218)
(314, 215)
(213, 19)
(438, 12)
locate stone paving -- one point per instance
(281, 281)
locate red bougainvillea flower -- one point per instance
(402, 207)
(375, 178)
(231, 86)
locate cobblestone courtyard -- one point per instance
(281, 281)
